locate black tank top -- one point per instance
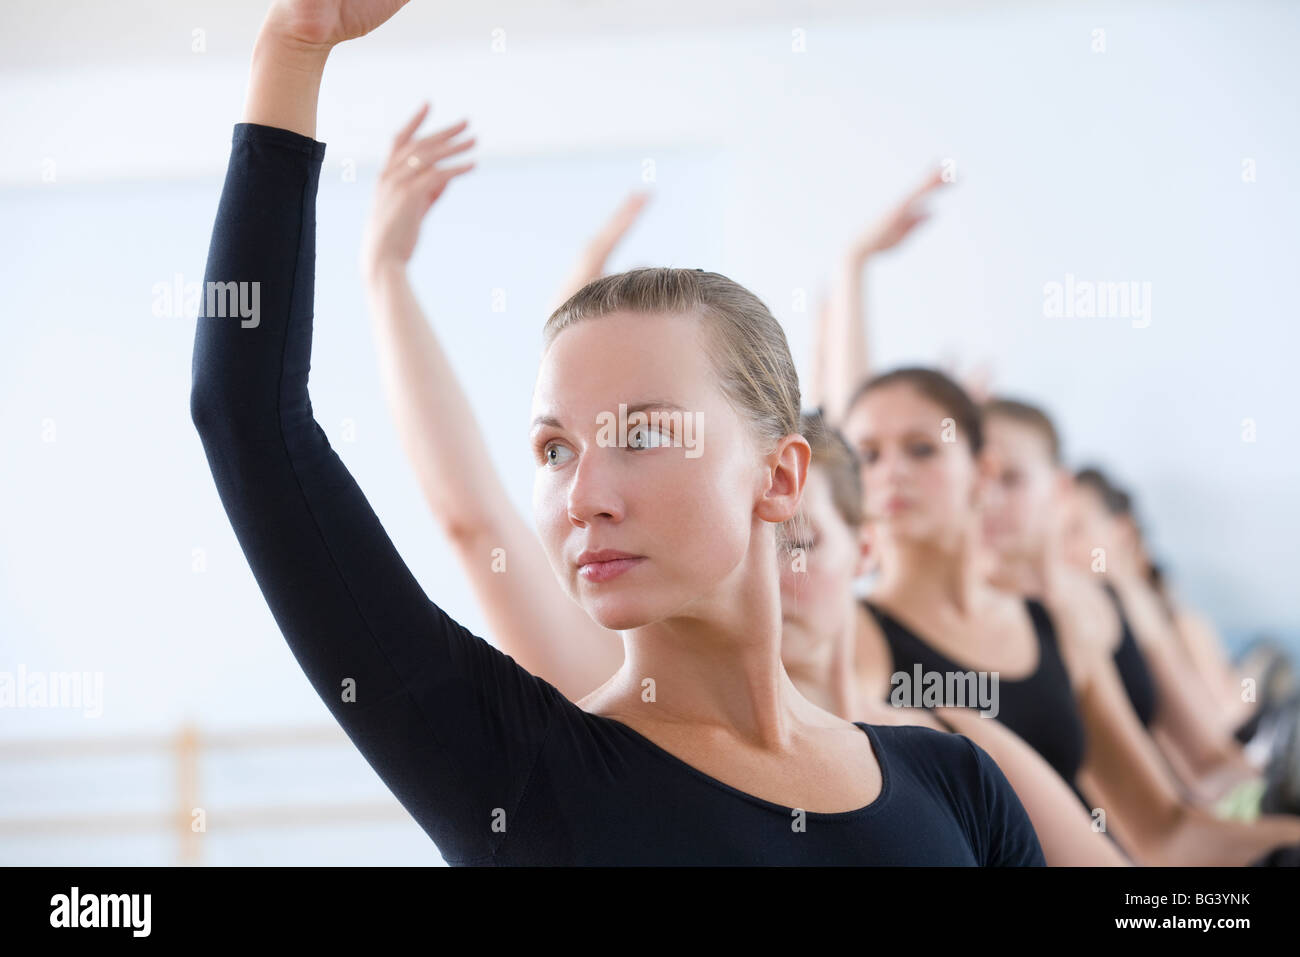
(1040, 708)
(1132, 666)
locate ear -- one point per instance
(787, 471)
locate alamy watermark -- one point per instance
(946, 689)
(181, 300)
(677, 428)
(1086, 299)
(54, 689)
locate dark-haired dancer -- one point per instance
(920, 439)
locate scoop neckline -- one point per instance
(962, 666)
(886, 778)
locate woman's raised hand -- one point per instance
(411, 182)
(325, 23)
(893, 227)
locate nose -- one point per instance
(891, 465)
(594, 490)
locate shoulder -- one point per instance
(971, 783)
(928, 753)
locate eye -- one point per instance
(920, 450)
(553, 452)
(644, 437)
(867, 456)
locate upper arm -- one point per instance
(450, 724)
(1063, 826)
(1011, 840)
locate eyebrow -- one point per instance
(657, 404)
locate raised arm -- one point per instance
(530, 616)
(591, 264)
(451, 725)
(842, 359)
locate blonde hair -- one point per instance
(747, 346)
(832, 453)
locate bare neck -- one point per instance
(944, 574)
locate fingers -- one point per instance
(428, 154)
(429, 182)
(406, 132)
(931, 182)
(404, 147)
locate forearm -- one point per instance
(1200, 839)
(433, 415)
(1135, 783)
(589, 267)
(842, 350)
(284, 81)
(1190, 717)
(530, 617)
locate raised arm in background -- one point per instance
(529, 615)
(842, 358)
(591, 263)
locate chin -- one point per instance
(618, 612)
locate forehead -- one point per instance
(891, 410)
(1088, 499)
(1013, 439)
(594, 364)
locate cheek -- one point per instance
(698, 511)
(550, 514)
(948, 483)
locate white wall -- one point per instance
(1122, 165)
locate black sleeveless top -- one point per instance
(1040, 708)
(1132, 667)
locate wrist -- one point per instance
(278, 45)
(383, 270)
(856, 258)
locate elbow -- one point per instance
(463, 531)
(200, 413)
(208, 411)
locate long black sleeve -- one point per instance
(450, 724)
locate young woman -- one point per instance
(699, 750)
(836, 656)
(1025, 516)
(1104, 513)
(955, 602)
(919, 438)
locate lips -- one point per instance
(606, 564)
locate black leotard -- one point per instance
(1132, 666)
(1040, 708)
(495, 764)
